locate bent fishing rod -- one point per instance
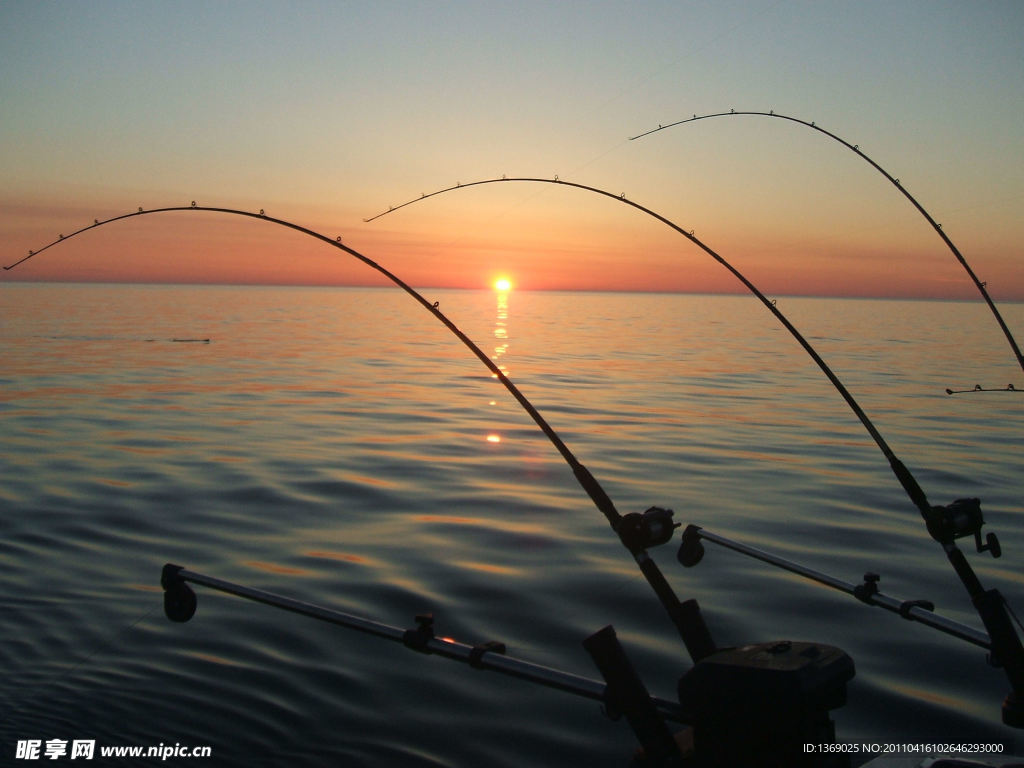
(945, 524)
(855, 148)
(636, 531)
(902, 473)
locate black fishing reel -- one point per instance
(640, 531)
(960, 519)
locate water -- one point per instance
(341, 447)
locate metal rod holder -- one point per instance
(486, 656)
(867, 592)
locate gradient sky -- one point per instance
(326, 113)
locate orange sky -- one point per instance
(328, 117)
(586, 243)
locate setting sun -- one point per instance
(502, 284)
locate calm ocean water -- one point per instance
(341, 447)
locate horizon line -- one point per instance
(242, 284)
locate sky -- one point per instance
(328, 113)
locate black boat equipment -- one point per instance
(855, 148)
(756, 705)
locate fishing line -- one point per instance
(37, 689)
(855, 148)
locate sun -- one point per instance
(502, 284)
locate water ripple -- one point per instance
(353, 469)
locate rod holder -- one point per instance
(484, 656)
(921, 611)
(626, 695)
(697, 637)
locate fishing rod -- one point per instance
(979, 388)
(637, 531)
(855, 148)
(902, 473)
(946, 524)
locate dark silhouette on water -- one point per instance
(855, 148)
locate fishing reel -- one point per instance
(958, 520)
(649, 529)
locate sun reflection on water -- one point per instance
(501, 324)
(502, 286)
